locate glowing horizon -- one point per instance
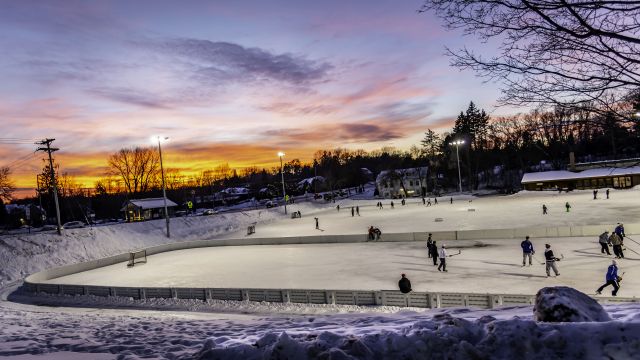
(228, 83)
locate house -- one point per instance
(146, 209)
(400, 183)
(591, 178)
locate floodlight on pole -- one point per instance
(284, 191)
(457, 144)
(164, 189)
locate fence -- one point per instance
(302, 296)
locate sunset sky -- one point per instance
(228, 82)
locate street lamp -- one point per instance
(164, 189)
(284, 191)
(457, 144)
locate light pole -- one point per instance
(457, 144)
(284, 191)
(164, 189)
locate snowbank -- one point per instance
(564, 304)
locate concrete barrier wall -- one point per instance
(305, 296)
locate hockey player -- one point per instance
(404, 284)
(620, 231)
(442, 254)
(604, 242)
(429, 243)
(607, 192)
(544, 209)
(567, 206)
(550, 260)
(612, 279)
(616, 242)
(527, 251)
(317, 224)
(358, 210)
(353, 212)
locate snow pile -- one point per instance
(25, 254)
(444, 337)
(565, 304)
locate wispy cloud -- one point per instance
(225, 61)
(133, 97)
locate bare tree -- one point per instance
(7, 186)
(551, 51)
(137, 167)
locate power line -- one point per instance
(20, 161)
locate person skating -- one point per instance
(612, 279)
(435, 201)
(620, 231)
(451, 200)
(403, 202)
(424, 201)
(392, 204)
(429, 202)
(353, 212)
(358, 210)
(317, 224)
(607, 192)
(338, 207)
(604, 242)
(429, 243)
(442, 254)
(616, 242)
(550, 260)
(404, 284)
(567, 206)
(544, 209)
(595, 194)
(527, 251)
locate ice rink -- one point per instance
(494, 267)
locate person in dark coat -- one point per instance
(358, 210)
(317, 224)
(527, 251)
(352, 211)
(404, 284)
(567, 206)
(607, 192)
(434, 253)
(620, 231)
(544, 209)
(429, 243)
(612, 279)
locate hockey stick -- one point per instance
(459, 252)
(626, 248)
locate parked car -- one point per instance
(181, 213)
(270, 204)
(73, 225)
(208, 212)
(48, 227)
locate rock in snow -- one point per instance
(565, 304)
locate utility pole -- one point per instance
(50, 150)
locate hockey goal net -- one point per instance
(137, 257)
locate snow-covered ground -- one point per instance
(219, 330)
(224, 331)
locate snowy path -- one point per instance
(494, 268)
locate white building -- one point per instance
(400, 183)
